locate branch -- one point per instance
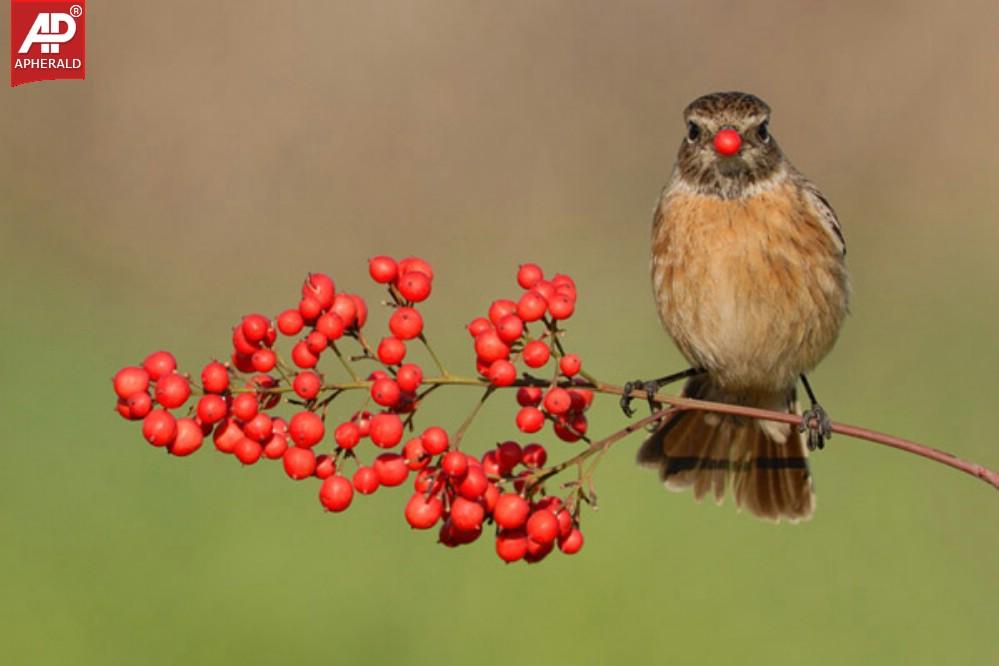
(987, 475)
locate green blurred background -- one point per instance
(219, 151)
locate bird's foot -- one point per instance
(650, 387)
(816, 421)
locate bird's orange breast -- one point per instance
(753, 290)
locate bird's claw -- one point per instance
(650, 388)
(819, 426)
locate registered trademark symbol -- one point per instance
(76, 11)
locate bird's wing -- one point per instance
(825, 213)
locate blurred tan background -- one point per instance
(217, 152)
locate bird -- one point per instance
(750, 280)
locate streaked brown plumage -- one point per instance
(750, 280)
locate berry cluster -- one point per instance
(237, 401)
(504, 337)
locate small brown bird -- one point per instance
(749, 275)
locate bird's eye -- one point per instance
(763, 131)
(693, 131)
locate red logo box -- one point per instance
(47, 40)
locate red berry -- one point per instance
(227, 433)
(561, 280)
(415, 455)
(245, 406)
(571, 427)
(558, 401)
(306, 429)
(414, 286)
(172, 391)
(302, 357)
(536, 354)
(501, 308)
(511, 545)
(529, 396)
(382, 269)
(290, 322)
(310, 309)
(129, 381)
(581, 399)
(316, 342)
(242, 362)
(241, 344)
(466, 514)
(385, 392)
(510, 328)
(491, 497)
(542, 526)
(422, 513)
(336, 493)
(363, 421)
(247, 451)
(320, 287)
(307, 384)
(330, 325)
(532, 306)
(299, 462)
(409, 377)
(406, 323)
(479, 325)
(365, 480)
(502, 373)
(347, 435)
(211, 409)
(415, 264)
(570, 365)
(391, 469)
(276, 446)
(489, 347)
(136, 407)
(345, 308)
(259, 428)
(561, 306)
(530, 419)
(511, 511)
(159, 427)
(572, 543)
(435, 440)
(727, 141)
(474, 485)
(386, 430)
(325, 467)
(545, 288)
(565, 523)
(536, 551)
(454, 464)
(159, 364)
(362, 310)
(188, 440)
(535, 456)
(263, 360)
(391, 350)
(490, 463)
(508, 455)
(529, 275)
(254, 328)
(215, 377)
(451, 536)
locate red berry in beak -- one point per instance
(727, 142)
